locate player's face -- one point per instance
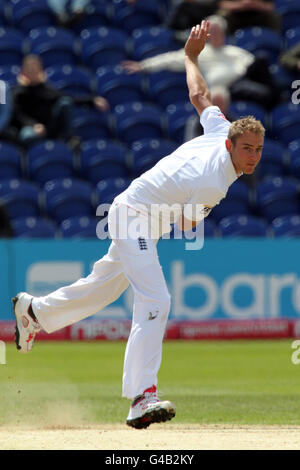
(246, 152)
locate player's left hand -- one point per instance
(197, 39)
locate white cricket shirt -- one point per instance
(199, 172)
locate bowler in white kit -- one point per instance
(194, 178)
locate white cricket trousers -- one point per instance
(131, 261)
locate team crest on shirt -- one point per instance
(222, 116)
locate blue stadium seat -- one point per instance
(282, 77)
(55, 46)
(176, 117)
(137, 15)
(294, 153)
(71, 80)
(102, 159)
(210, 230)
(33, 227)
(9, 74)
(259, 41)
(287, 226)
(273, 160)
(11, 46)
(119, 87)
(238, 201)
(20, 198)
(292, 36)
(138, 120)
(10, 161)
(97, 13)
(49, 159)
(285, 120)
(79, 227)
(289, 10)
(150, 41)
(277, 197)
(104, 46)
(65, 198)
(30, 14)
(147, 152)
(89, 123)
(239, 109)
(167, 87)
(3, 14)
(242, 226)
(109, 188)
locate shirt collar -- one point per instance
(230, 173)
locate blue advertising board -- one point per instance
(226, 279)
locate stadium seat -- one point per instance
(242, 226)
(273, 160)
(10, 161)
(177, 115)
(79, 227)
(285, 120)
(20, 198)
(282, 77)
(289, 10)
(97, 13)
(30, 14)
(259, 41)
(150, 41)
(239, 109)
(65, 198)
(287, 226)
(49, 159)
(147, 152)
(238, 201)
(89, 123)
(109, 188)
(118, 87)
(9, 74)
(71, 80)
(11, 47)
(102, 159)
(33, 227)
(292, 36)
(277, 197)
(137, 14)
(210, 231)
(138, 119)
(104, 46)
(3, 15)
(55, 46)
(167, 87)
(294, 153)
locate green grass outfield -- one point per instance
(70, 384)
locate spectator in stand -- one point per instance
(221, 64)
(241, 14)
(5, 225)
(39, 109)
(291, 58)
(186, 13)
(68, 12)
(220, 96)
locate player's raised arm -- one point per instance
(198, 90)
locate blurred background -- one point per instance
(93, 93)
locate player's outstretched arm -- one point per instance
(198, 90)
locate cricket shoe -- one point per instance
(27, 325)
(148, 408)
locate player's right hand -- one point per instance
(197, 39)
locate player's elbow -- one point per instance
(200, 100)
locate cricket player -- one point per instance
(196, 176)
